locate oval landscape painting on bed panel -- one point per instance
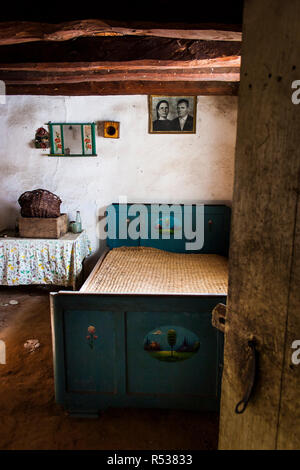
(171, 343)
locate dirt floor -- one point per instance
(30, 419)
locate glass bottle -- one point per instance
(78, 222)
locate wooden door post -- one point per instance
(264, 266)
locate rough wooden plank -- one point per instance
(221, 69)
(289, 419)
(21, 32)
(230, 74)
(127, 88)
(150, 65)
(263, 221)
(118, 49)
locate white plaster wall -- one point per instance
(174, 168)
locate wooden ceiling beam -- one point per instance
(144, 65)
(22, 31)
(106, 58)
(230, 74)
(118, 49)
(221, 69)
(224, 77)
(127, 88)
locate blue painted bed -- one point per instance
(104, 345)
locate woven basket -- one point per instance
(39, 203)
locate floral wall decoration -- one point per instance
(42, 138)
(87, 140)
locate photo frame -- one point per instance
(172, 114)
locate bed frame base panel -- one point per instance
(135, 351)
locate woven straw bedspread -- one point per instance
(149, 270)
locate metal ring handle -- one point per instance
(242, 404)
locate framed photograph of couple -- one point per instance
(172, 114)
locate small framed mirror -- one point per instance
(69, 139)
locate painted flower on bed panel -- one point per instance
(91, 337)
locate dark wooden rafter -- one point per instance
(127, 88)
(105, 56)
(118, 49)
(47, 73)
(150, 65)
(47, 79)
(21, 32)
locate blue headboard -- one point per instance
(147, 225)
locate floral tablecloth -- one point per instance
(43, 261)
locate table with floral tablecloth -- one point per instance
(43, 261)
